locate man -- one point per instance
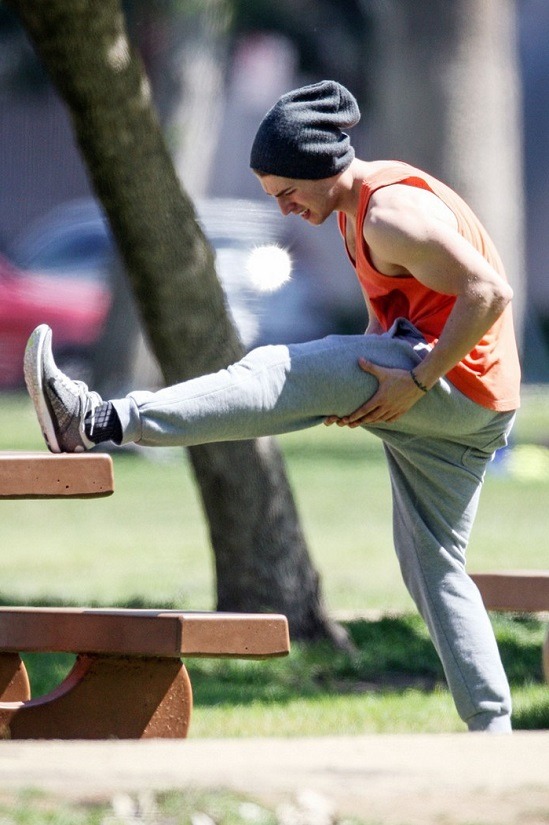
(436, 375)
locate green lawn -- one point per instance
(148, 544)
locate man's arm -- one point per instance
(406, 235)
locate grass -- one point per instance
(148, 545)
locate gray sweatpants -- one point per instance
(437, 455)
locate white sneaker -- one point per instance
(60, 403)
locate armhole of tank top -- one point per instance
(342, 224)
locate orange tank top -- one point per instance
(490, 373)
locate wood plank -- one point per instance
(49, 475)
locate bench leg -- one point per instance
(107, 697)
(14, 682)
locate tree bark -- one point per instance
(262, 561)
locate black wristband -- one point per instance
(418, 384)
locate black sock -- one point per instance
(103, 424)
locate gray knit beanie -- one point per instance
(301, 136)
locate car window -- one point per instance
(75, 252)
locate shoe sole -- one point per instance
(34, 352)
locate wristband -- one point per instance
(418, 384)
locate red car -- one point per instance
(75, 309)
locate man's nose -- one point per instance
(284, 206)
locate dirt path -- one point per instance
(395, 780)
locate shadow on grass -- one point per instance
(393, 655)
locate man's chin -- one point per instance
(315, 220)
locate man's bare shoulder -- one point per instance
(399, 203)
(401, 221)
(393, 213)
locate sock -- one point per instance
(103, 424)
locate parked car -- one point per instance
(75, 309)
(72, 240)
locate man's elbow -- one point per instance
(502, 297)
(492, 298)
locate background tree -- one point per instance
(332, 37)
(261, 559)
(445, 96)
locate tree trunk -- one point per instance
(261, 558)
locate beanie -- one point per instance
(301, 136)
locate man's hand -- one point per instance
(396, 394)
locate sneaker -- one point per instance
(60, 403)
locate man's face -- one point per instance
(313, 200)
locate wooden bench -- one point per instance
(517, 591)
(128, 680)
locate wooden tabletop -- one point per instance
(49, 475)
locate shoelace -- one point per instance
(69, 384)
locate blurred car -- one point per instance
(75, 309)
(291, 313)
(72, 244)
(71, 240)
